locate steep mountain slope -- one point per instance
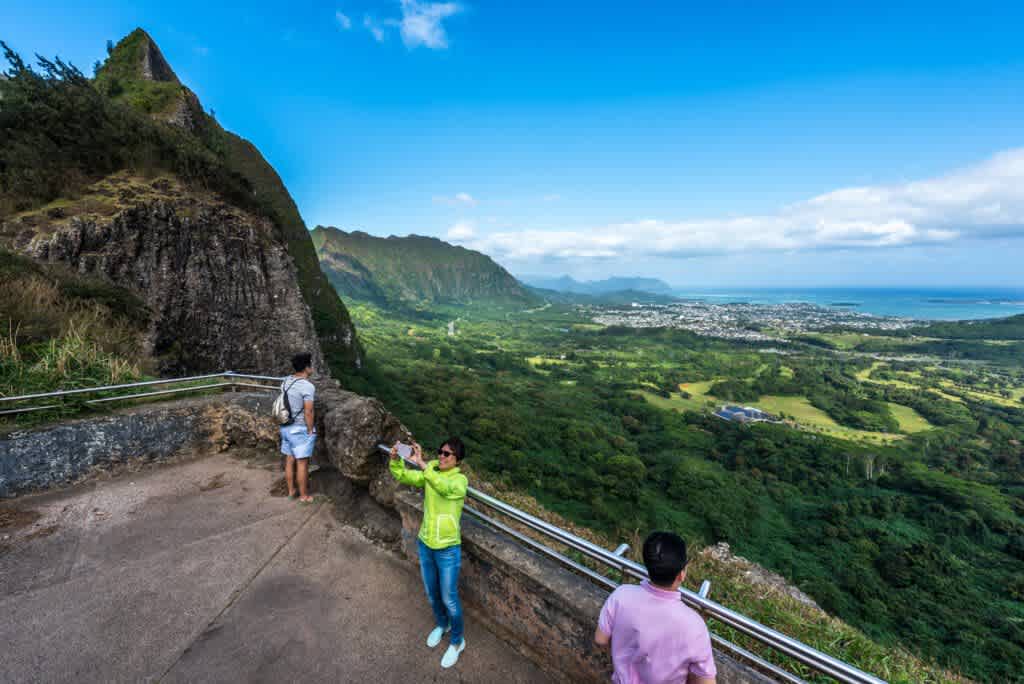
(127, 178)
(412, 270)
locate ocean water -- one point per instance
(922, 303)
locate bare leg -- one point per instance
(289, 474)
(303, 466)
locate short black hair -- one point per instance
(301, 362)
(456, 445)
(664, 557)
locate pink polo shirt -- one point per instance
(656, 638)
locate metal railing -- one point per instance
(614, 560)
(229, 379)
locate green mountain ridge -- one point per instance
(1008, 328)
(412, 270)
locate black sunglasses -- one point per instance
(445, 452)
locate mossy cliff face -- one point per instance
(223, 291)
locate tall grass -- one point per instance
(72, 358)
(54, 336)
(36, 308)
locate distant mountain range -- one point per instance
(599, 287)
(412, 270)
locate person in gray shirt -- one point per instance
(299, 436)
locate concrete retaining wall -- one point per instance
(62, 454)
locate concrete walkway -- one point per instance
(195, 573)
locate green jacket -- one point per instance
(443, 496)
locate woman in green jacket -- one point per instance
(440, 543)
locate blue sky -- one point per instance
(710, 144)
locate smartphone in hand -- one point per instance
(405, 453)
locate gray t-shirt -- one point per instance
(299, 391)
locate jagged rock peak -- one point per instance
(141, 53)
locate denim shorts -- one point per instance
(295, 441)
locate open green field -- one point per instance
(910, 420)
(676, 402)
(946, 384)
(697, 389)
(984, 396)
(945, 395)
(844, 341)
(799, 408)
(865, 376)
(807, 415)
(542, 360)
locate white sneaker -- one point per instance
(434, 638)
(451, 656)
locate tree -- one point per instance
(624, 476)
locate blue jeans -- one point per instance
(440, 570)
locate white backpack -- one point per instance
(282, 408)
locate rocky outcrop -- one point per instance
(153, 66)
(756, 575)
(352, 427)
(222, 289)
(187, 112)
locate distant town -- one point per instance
(742, 321)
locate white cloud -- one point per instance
(979, 201)
(421, 23)
(374, 28)
(461, 199)
(343, 20)
(463, 230)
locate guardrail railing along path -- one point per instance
(614, 560)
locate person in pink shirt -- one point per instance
(654, 637)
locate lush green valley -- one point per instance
(891, 493)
